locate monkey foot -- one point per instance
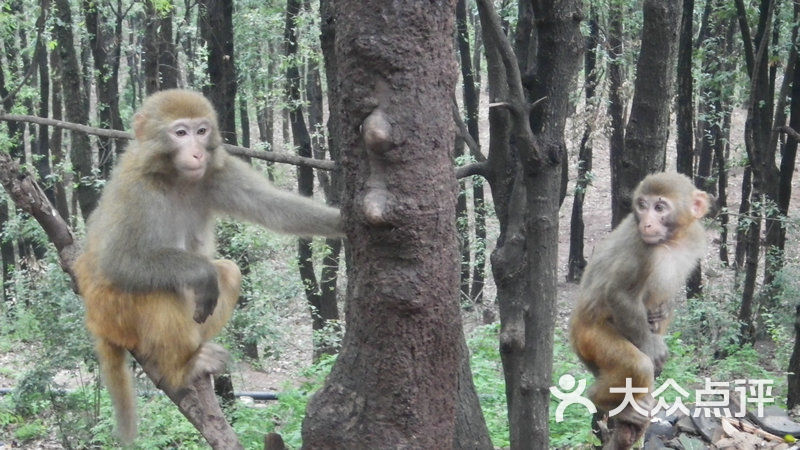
(209, 359)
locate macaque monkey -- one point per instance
(147, 273)
(624, 301)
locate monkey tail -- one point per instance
(119, 383)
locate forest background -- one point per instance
(575, 101)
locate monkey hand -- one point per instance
(205, 291)
(658, 353)
(655, 318)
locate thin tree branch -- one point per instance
(790, 131)
(197, 402)
(474, 148)
(516, 102)
(478, 168)
(29, 197)
(278, 157)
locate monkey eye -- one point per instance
(201, 131)
(660, 207)
(180, 133)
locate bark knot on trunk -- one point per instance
(376, 131)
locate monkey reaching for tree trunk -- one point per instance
(624, 301)
(146, 274)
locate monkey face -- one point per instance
(190, 140)
(655, 215)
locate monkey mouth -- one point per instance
(193, 173)
(653, 239)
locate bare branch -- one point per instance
(478, 168)
(197, 402)
(790, 131)
(497, 42)
(29, 197)
(278, 157)
(115, 134)
(474, 148)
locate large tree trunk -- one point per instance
(394, 382)
(648, 127)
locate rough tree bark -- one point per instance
(394, 382)
(525, 174)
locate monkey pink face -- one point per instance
(191, 140)
(655, 217)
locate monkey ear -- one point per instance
(139, 122)
(700, 204)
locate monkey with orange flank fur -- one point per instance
(624, 300)
(147, 273)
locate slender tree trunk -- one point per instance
(789, 149)
(616, 102)
(244, 122)
(684, 100)
(106, 53)
(43, 167)
(320, 313)
(168, 69)
(394, 381)
(720, 152)
(775, 235)
(526, 186)
(471, 101)
(577, 261)
(788, 157)
(76, 106)
(741, 228)
(648, 126)
(216, 28)
(793, 395)
(56, 139)
(6, 246)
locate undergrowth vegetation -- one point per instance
(46, 356)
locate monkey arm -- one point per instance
(164, 269)
(240, 191)
(629, 316)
